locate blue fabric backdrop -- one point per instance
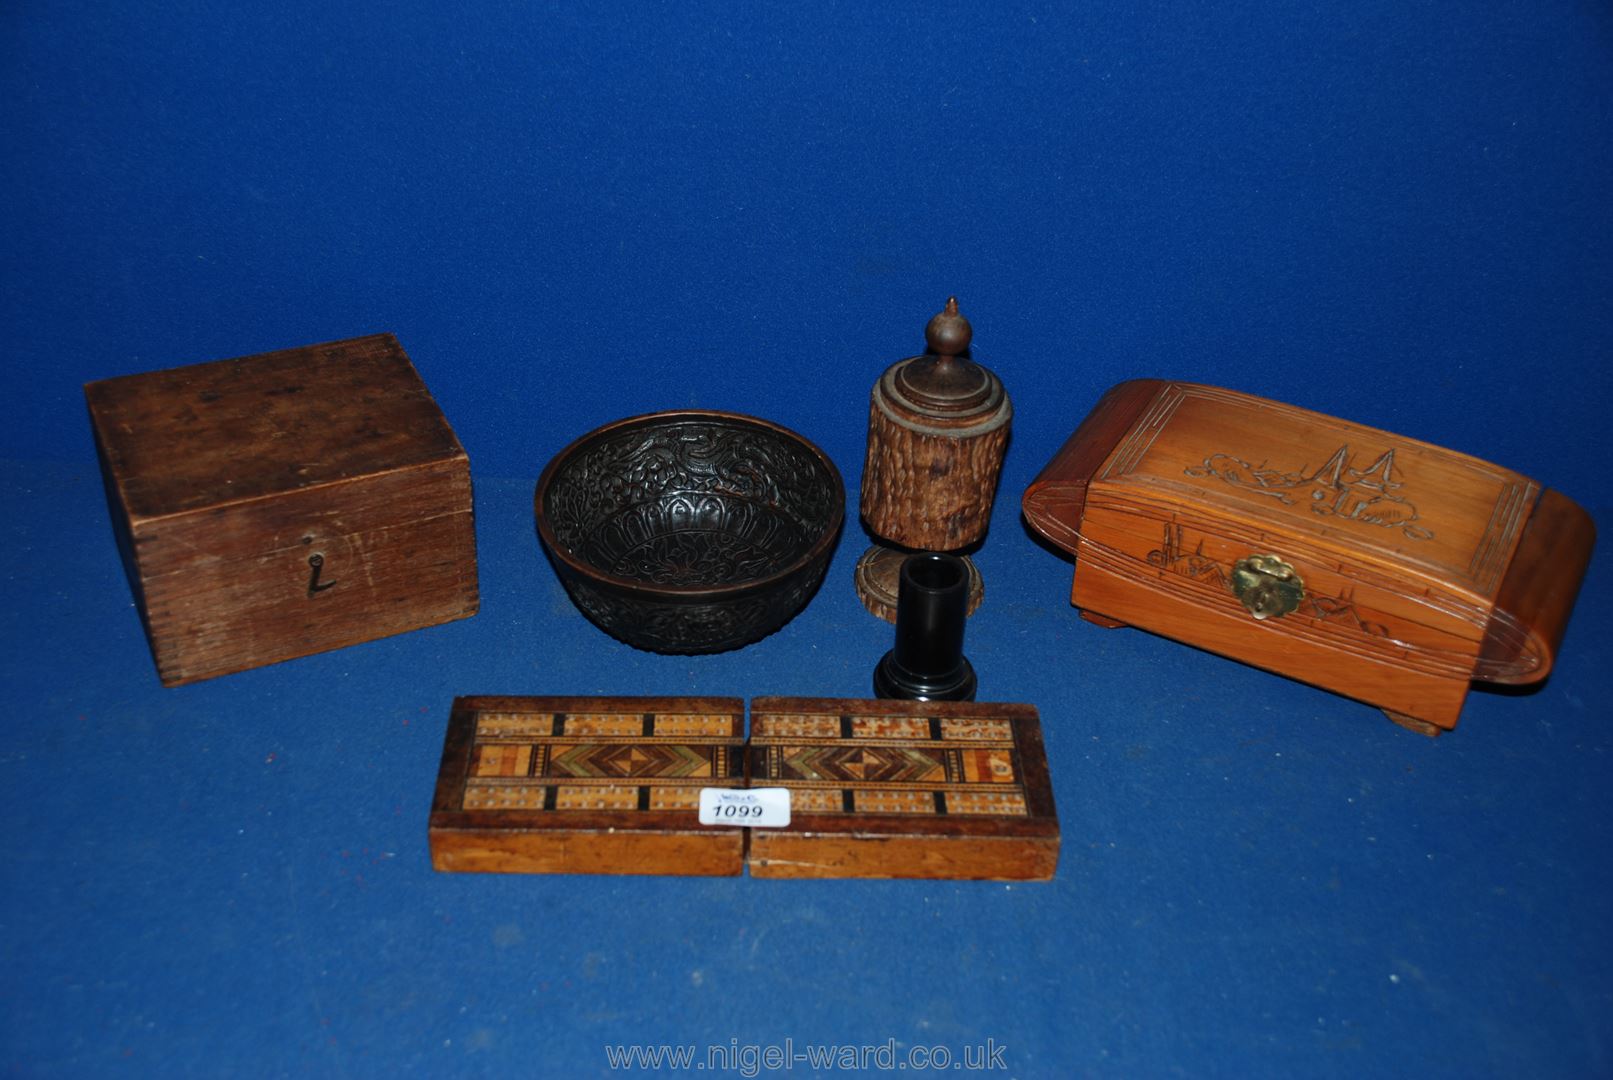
(570, 213)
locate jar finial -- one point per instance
(949, 333)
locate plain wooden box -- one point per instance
(587, 785)
(903, 789)
(284, 504)
(1422, 569)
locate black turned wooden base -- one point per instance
(877, 574)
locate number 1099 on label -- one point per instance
(763, 808)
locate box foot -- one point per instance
(1102, 620)
(1411, 723)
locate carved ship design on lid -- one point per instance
(1335, 488)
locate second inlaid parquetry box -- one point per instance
(903, 789)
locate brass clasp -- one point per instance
(1268, 587)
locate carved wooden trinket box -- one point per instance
(279, 505)
(1380, 567)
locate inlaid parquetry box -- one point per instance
(612, 785)
(602, 785)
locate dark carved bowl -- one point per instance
(690, 532)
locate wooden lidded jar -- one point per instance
(937, 430)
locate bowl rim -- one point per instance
(688, 592)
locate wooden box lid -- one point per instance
(903, 789)
(230, 431)
(587, 785)
(1414, 510)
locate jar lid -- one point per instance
(944, 380)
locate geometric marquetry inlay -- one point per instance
(874, 763)
(599, 760)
